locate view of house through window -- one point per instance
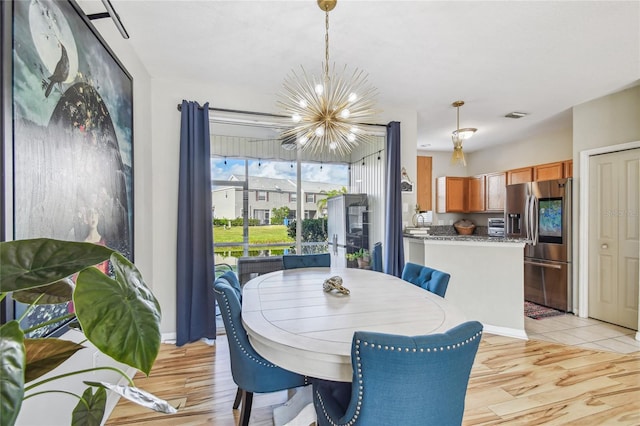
(254, 206)
(263, 187)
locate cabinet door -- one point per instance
(423, 187)
(495, 191)
(476, 192)
(451, 194)
(548, 171)
(522, 175)
(568, 168)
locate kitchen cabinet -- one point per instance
(451, 194)
(548, 171)
(476, 193)
(424, 183)
(522, 175)
(495, 192)
(568, 168)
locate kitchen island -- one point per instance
(487, 276)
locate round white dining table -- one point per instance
(294, 323)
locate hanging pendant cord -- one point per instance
(326, 44)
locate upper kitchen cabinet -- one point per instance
(424, 183)
(495, 192)
(522, 175)
(451, 194)
(476, 193)
(548, 171)
(568, 168)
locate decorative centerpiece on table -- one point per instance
(362, 256)
(464, 227)
(335, 283)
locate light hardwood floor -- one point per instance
(513, 382)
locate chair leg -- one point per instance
(236, 402)
(245, 413)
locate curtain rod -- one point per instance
(264, 114)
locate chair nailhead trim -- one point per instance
(234, 333)
(359, 373)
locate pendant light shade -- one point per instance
(459, 135)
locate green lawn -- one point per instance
(267, 234)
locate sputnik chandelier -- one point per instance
(326, 112)
(459, 135)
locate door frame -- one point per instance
(583, 226)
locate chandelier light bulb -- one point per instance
(333, 145)
(319, 89)
(352, 97)
(345, 113)
(296, 118)
(351, 137)
(303, 140)
(319, 131)
(303, 103)
(354, 129)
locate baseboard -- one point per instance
(168, 337)
(505, 331)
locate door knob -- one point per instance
(605, 246)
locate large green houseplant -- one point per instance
(119, 315)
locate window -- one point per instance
(250, 157)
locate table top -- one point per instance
(293, 323)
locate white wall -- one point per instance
(609, 120)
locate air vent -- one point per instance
(516, 114)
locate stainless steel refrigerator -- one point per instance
(541, 213)
(347, 226)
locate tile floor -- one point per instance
(584, 332)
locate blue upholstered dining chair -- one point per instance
(402, 380)
(428, 278)
(251, 372)
(376, 257)
(293, 261)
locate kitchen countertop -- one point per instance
(478, 238)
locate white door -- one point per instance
(614, 234)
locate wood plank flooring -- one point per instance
(513, 382)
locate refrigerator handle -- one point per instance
(534, 219)
(335, 244)
(526, 218)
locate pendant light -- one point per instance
(459, 135)
(326, 111)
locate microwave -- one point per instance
(496, 227)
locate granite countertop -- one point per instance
(448, 233)
(480, 238)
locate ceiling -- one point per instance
(537, 57)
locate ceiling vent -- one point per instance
(516, 114)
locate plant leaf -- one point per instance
(138, 396)
(58, 292)
(37, 262)
(43, 355)
(12, 361)
(120, 317)
(93, 414)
